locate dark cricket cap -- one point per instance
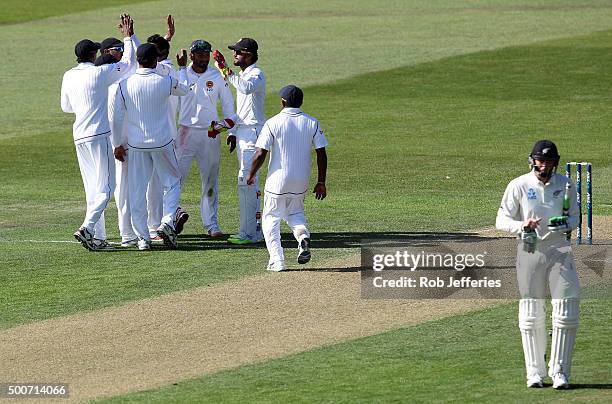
(110, 43)
(105, 59)
(293, 95)
(200, 45)
(147, 52)
(85, 47)
(544, 150)
(245, 44)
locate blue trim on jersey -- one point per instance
(151, 148)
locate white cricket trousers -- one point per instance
(155, 203)
(550, 268)
(194, 144)
(248, 195)
(141, 164)
(122, 200)
(98, 173)
(289, 208)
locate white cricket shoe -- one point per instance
(86, 239)
(535, 381)
(304, 251)
(130, 243)
(560, 381)
(168, 234)
(144, 245)
(277, 266)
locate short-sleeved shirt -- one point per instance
(290, 137)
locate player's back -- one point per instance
(146, 96)
(86, 87)
(289, 169)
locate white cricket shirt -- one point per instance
(250, 87)
(199, 107)
(143, 100)
(290, 136)
(527, 197)
(85, 93)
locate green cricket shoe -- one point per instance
(239, 241)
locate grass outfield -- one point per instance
(469, 358)
(430, 109)
(465, 127)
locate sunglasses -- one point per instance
(241, 52)
(117, 48)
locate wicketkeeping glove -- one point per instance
(221, 64)
(558, 223)
(217, 127)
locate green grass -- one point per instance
(475, 357)
(432, 149)
(16, 11)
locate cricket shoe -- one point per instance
(277, 266)
(304, 251)
(85, 237)
(144, 245)
(560, 381)
(129, 243)
(157, 239)
(535, 381)
(215, 232)
(180, 220)
(103, 245)
(168, 234)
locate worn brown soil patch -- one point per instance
(158, 341)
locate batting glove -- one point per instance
(221, 64)
(217, 127)
(558, 223)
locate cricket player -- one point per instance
(533, 209)
(85, 93)
(250, 86)
(198, 111)
(155, 189)
(142, 99)
(289, 136)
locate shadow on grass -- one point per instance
(337, 240)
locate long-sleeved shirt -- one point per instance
(199, 107)
(85, 93)
(527, 197)
(143, 99)
(250, 87)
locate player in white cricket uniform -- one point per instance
(544, 262)
(250, 86)
(198, 109)
(142, 99)
(155, 189)
(85, 93)
(290, 137)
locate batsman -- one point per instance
(541, 209)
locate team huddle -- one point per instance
(140, 123)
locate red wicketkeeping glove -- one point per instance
(221, 64)
(217, 127)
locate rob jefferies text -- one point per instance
(433, 269)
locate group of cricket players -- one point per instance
(140, 123)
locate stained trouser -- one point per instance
(289, 208)
(122, 200)
(194, 144)
(550, 268)
(248, 195)
(142, 162)
(98, 173)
